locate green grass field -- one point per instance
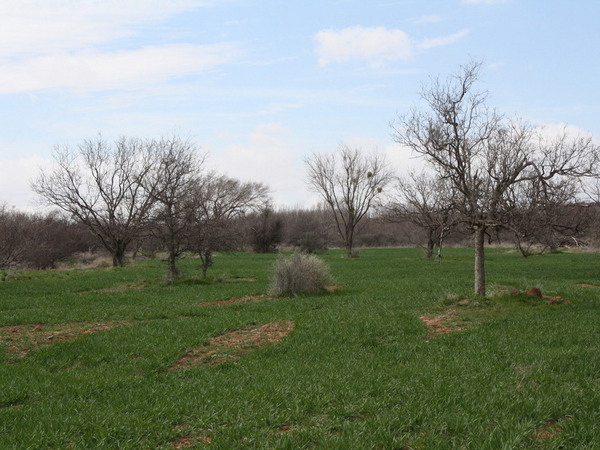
(86, 356)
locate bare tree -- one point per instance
(265, 231)
(100, 185)
(308, 230)
(427, 202)
(38, 241)
(15, 234)
(544, 215)
(483, 155)
(176, 173)
(349, 182)
(216, 201)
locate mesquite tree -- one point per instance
(216, 201)
(483, 154)
(349, 183)
(101, 185)
(427, 202)
(176, 173)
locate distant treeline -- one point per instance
(41, 241)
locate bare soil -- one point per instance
(444, 323)
(588, 285)
(233, 345)
(246, 299)
(240, 280)
(190, 441)
(21, 339)
(549, 429)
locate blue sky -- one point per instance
(261, 84)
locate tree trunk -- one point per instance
(440, 246)
(349, 252)
(172, 270)
(206, 258)
(118, 255)
(349, 240)
(430, 245)
(480, 260)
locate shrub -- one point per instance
(299, 273)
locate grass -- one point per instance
(357, 371)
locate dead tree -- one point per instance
(349, 183)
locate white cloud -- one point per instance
(377, 45)
(71, 44)
(552, 131)
(428, 43)
(269, 156)
(37, 27)
(125, 69)
(15, 176)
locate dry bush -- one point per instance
(299, 273)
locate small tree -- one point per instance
(216, 201)
(100, 185)
(349, 182)
(427, 202)
(545, 215)
(265, 231)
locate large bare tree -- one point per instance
(100, 185)
(483, 155)
(349, 183)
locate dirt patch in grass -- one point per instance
(191, 440)
(456, 314)
(443, 323)
(239, 280)
(246, 299)
(288, 428)
(233, 345)
(21, 339)
(588, 285)
(537, 292)
(332, 288)
(550, 429)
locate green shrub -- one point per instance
(299, 273)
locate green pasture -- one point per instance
(359, 370)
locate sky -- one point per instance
(260, 85)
